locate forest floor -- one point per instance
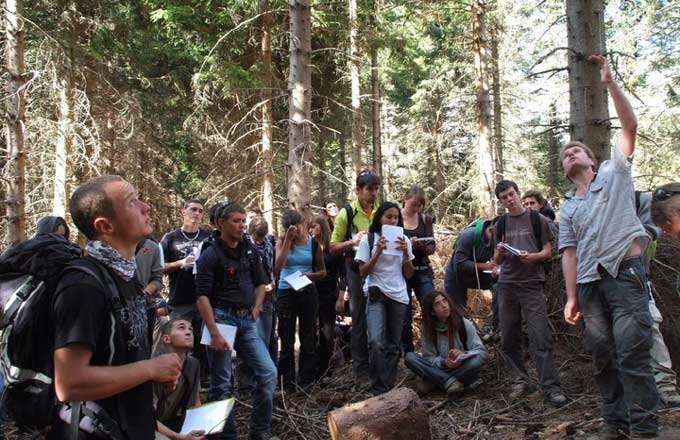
(486, 413)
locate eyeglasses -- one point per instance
(662, 194)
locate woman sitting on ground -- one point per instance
(452, 352)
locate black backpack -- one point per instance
(535, 218)
(29, 275)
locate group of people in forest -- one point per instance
(138, 374)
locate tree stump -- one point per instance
(398, 414)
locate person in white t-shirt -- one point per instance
(385, 276)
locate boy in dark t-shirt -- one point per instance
(101, 348)
(520, 291)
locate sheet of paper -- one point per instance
(298, 281)
(209, 418)
(464, 356)
(391, 234)
(511, 249)
(228, 332)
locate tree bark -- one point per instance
(354, 62)
(65, 91)
(300, 84)
(396, 415)
(321, 165)
(376, 100)
(497, 108)
(267, 117)
(588, 106)
(554, 165)
(342, 146)
(16, 116)
(486, 184)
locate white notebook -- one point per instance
(209, 418)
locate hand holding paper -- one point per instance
(298, 281)
(392, 234)
(228, 332)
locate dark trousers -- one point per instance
(326, 330)
(357, 304)
(301, 308)
(618, 333)
(457, 291)
(528, 299)
(421, 284)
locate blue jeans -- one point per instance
(264, 324)
(467, 373)
(385, 321)
(618, 332)
(421, 284)
(253, 351)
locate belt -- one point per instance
(239, 312)
(421, 267)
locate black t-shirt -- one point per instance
(334, 265)
(177, 245)
(420, 253)
(81, 314)
(230, 280)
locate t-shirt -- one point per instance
(230, 279)
(334, 265)
(300, 258)
(171, 407)
(519, 233)
(387, 274)
(360, 222)
(177, 245)
(81, 315)
(603, 223)
(421, 250)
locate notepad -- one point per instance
(209, 418)
(511, 249)
(392, 234)
(227, 331)
(298, 281)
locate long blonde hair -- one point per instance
(325, 236)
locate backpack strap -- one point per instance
(479, 230)
(315, 246)
(371, 242)
(501, 226)
(350, 221)
(537, 227)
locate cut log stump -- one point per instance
(396, 415)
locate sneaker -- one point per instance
(610, 432)
(454, 388)
(518, 390)
(556, 398)
(424, 386)
(474, 385)
(669, 398)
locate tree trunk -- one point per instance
(65, 91)
(396, 415)
(321, 165)
(588, 107)
(486, 195)
(354, 62)
(376, 100)
(497, 109)
(267, 117)
(554, 165)
(342, 147)
(16, 115)
(300, 84)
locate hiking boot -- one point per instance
(556, 398)
(454, 388)
(424, 386)
(669, 398)
(610, 432)
(518, 390)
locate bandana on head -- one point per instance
(106, 254)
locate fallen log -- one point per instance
(398, 414)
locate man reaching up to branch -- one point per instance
(602, 241)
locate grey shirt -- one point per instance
(436, 352)
(603, 224)
(149, 266)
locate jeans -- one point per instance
(253, 351)
(301, 308)
(385, 319)
(662, 366)
(326, 330)
(457, 288)
(618, 333)
(421, 283)
(528, 299)
(264, 323)
(357, 304)
(467, 373)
